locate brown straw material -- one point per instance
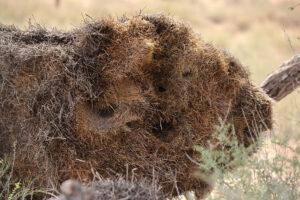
(121, 97)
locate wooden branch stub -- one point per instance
(284, 80)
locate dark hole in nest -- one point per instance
(129, 125)
(161, 89)
(132, 124)
(160, 29)
(248, 133)
(186, 74)
(107, 112)
(190, 152)
(232, 64)
(251, 137)
(161, 130)
(158, 55)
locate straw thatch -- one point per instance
(120, 97)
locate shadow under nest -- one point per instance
(122, 97)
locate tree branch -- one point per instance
(284, 80)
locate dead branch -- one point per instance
(284, 80)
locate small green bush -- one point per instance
(240, 177)
(11, 189)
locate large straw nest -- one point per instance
(128, 96)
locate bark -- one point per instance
(284, 80)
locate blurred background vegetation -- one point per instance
(261, 33)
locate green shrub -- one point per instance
(256, 177)
(11, 189)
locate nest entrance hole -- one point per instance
(164, 131)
